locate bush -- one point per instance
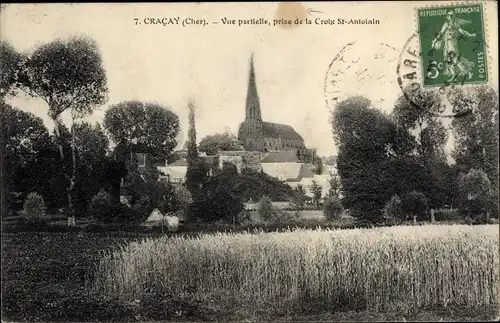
(282, 217)
(33, 211)
(415, 204)
(332, 208)
(477, 195)
(100, 207)
(393, 209)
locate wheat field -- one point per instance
(378, 269)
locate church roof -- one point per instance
(282, 156)
(275, 130)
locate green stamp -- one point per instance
(452, 45)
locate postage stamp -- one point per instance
(452, 45)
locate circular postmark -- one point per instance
(411, 75)
(355, 70)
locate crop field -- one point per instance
(420, 273)
(384, 269)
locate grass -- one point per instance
(44, 276)
(397, 269)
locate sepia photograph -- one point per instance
(249, 162)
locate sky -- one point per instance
(170, 63)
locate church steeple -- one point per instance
(253, 104)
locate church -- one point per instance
(262, 136)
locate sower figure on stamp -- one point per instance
(456, 65)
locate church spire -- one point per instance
(253, 104)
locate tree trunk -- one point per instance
(433, 217)
(57, 129)
(3, 199)
(71, 206)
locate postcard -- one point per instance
(197, 161)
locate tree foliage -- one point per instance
(316, 191)
(334, 186)
(30, 155)
(476, 134)
(367, 142)
(265, 208)
(298, 201)
(67, 75)
(143, 127)
(477, 194)
(421, 121)
(10, 61)
(219, 200)
(226, 141)
(191, 144)
(415, 204)
(146, 192)
(318, 165)
(92, 164)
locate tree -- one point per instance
(228, 167)
(421, 120)
(414, 204)
(28, 151)
(316, 191)
(334, 189)
(92, 146)
(477, 195)
(368, 141)
(330, 160)
(197, 172)
(143, 127)
(318, 165)
(67, 75)
(10, 61)
(146, 192)
(422, 124)
(191, 142)
(476, 134)
(299, 199)
(226, 141)
(9, 66)
(184, 197)
(266, 209)
(222, 199)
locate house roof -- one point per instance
(174, 171)
(237, 153)
(282, 171)
(306, 171)
(276, 130)
(280, 157)
(179, 162)
(183, 161)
